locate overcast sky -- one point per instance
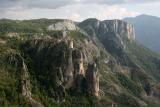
(77, 9)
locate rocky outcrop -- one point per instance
(103, 28)
(78, 63)
(79, 72)
(75, 73)
(25, 81)
(75, 68)
(123, 29)
(64, 65)
(64, 25)
(113, 34)
(68, 76)
(92, 77)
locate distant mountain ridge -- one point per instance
(147, 30)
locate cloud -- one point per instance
(49, 3)
(60, 3)
(76, 12)
(73, 9)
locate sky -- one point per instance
(77, 10)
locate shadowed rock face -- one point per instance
(66, 65)
(69, 75)
(15, 59)
(78, 62)
(18, 61)
(93, 79)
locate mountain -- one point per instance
(62, 63)
(147, 29)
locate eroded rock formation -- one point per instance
(68, 77)
(75, 73)
(25, 81)
(78, 63)
(92, 77)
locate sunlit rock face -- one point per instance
(64, 25)
(123, 29)
(103, 28)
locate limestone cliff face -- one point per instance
(123, 29)
(64, 25)
(113, 34)
(104, 28)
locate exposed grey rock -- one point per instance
(120, 27)
(101, 28)
(25, 81)
(64, 25)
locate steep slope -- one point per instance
(119, 40)
(61, 63)
(147, 29)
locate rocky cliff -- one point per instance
(64, 25)
(62, 63)
(101, 28)
(113, 34)
(93, 79)
(123, 29)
